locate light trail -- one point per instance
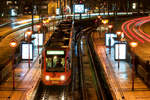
(132, 29)
(138, 32)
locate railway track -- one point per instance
(91, 83)
(85, 76)
(53, 93)
(86, 83)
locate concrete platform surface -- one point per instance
(120, 78)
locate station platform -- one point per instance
(26, 79)
(119, 78)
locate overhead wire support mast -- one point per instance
(32, 16)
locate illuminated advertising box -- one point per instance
(25, 51)
(57, 11)
(86, 10)
(109, 36)
(78, 8)
(13, 12)
(120, 51)
(38, 39)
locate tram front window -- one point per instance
(55, 64)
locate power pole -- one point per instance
(32, 16)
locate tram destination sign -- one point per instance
(55, 52)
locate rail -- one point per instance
(75, 35)
(82, 85)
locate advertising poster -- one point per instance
(57, 11)
(38, 39)
(25, 51)
(109, 36)
(120, 51)
(78, 8)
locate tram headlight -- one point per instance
(47, 77)
(62, 77)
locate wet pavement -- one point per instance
(26, 80)
(119, 78)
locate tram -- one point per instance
(56, 67)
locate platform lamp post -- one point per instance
(99, 17)
(53, 22)
(118, 37)
(133, 45)
(44, 25)
(38, 28)
(110, 27)
(90, 12)
(105, 21)
(13, 45)
(28, 33)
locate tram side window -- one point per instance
(68, 64)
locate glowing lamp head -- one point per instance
(110, 26)
(105, 21)
(38, 26)
(99, 17)
(47, 21)
(133, 44)
(44, 22)
(28, 33)
(13, 44)
(119, 33)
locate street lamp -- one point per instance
(110, 27)
(53, 19)
(38, 28)
(118, 33)
(90, 12)
(44, 21)
(44, 29)
(118, 37)
(13, 44)
(133, 45)
(28, 33)
(105, 21)
(99, 17)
